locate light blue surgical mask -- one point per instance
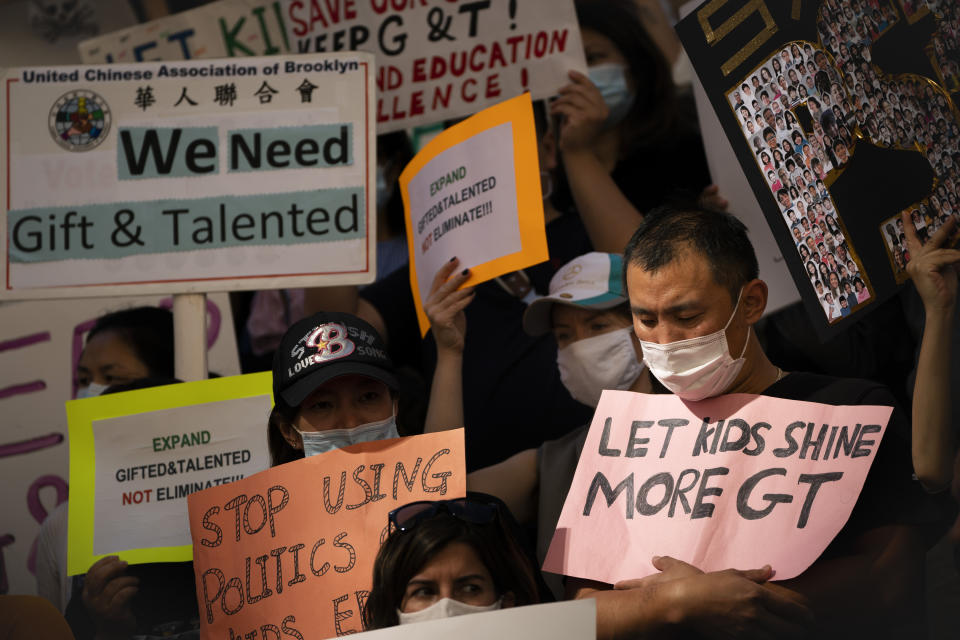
(611, 79)
(317, 442)
(92, 390)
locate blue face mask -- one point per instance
(611, 79)
(92, 390)
(317, 442)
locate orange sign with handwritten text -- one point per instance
(288, 553)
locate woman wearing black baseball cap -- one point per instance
(333, 386)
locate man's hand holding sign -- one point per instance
(719, 476)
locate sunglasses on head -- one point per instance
(410, 515)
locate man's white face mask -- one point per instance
(696, 368)
(446, 608)
(606, 361)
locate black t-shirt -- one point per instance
(512, 395)
(671, 171)
(891, 494)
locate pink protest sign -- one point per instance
(712, 483)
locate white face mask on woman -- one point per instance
(697, 368)
(606, 361)
(446, 608)
(316, 442)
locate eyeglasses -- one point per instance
(410, 515)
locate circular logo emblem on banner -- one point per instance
(79, 120)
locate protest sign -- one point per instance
(571, 620)
(660, 477)
(136, 456)
(437, 60)
(837, 134)
(40, 344)
(473, 193)
(221, 29)
(727, 174)
(186, 177)
(291, 550)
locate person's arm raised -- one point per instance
(608, 215)
(515, 481)
(933, 271)
(448, 322)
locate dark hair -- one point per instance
(397, 148)
(148, 331)
(540, 122)
(142, 383)
(623, 309)
(281, 452)
(717, 236)
(653, 113)
(404, 554)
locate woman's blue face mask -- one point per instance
(610, 79)
(317, 442)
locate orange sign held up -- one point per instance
(473, 192)
(288, 552)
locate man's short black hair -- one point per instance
(719, 237)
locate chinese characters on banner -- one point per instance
(842, 117)
(187, 176)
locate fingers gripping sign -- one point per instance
(445, 306)
(932, 266)
(673, 569)
(107, 596)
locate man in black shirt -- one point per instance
(691, 277)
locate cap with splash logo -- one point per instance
(325, 346)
